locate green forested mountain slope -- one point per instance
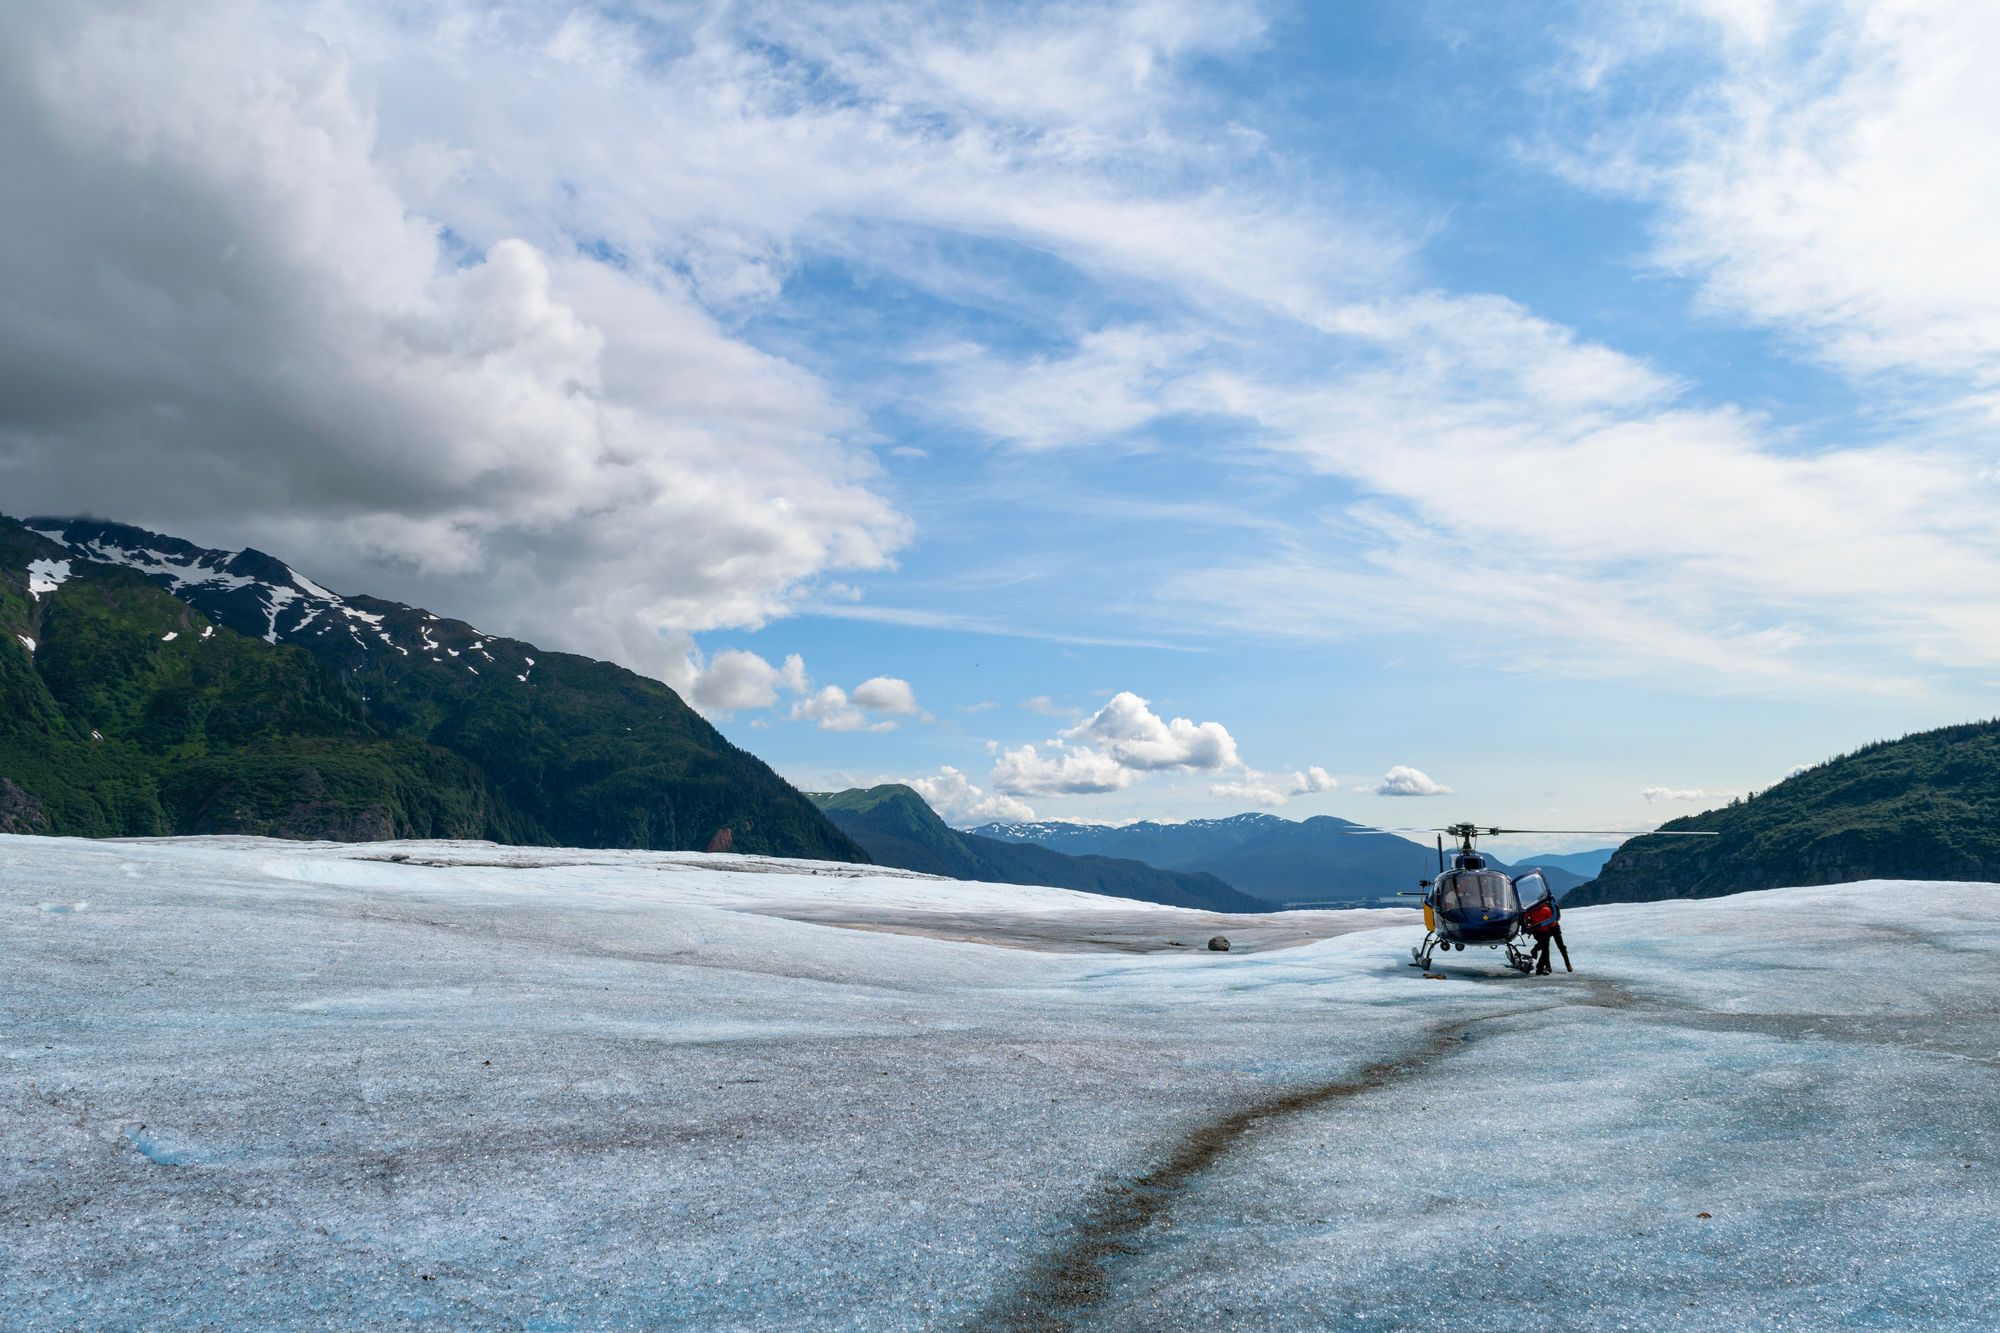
(148, 687)
(1923, 807)
(898, 828)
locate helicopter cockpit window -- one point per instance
(1476, 890)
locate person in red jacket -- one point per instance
(1544, 921)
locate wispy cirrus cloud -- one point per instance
(1686, 796)
(1648, 530)
(1820, 168)
(1643, 534)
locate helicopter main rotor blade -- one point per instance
(1503, 832)
(1608, 832)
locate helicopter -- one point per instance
(1471, 903)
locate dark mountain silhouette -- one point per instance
(898, 828)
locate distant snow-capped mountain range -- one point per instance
(1322, 859)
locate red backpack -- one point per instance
(1541, 916)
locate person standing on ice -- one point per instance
(1544, 920)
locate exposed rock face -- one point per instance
(20, 812)
(327, 822)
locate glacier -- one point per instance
(262, 1084)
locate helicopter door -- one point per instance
(1532, 887)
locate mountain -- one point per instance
(1153, 843)
(149, 686)
(1926, 806)
(898, 828)
(1317, 860)
(1581, 864)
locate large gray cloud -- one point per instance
(223, 317)
(440, 300)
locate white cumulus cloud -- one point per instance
(1275, 788)
(736, 679)
(886, 694)
(960, 803)
(1118, 745)
(1128, 731)
(1402, 780)
(1066, 771)
(873, 705)
(831, 709)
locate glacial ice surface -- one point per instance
(265, 1084)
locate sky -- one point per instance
(1564, 417)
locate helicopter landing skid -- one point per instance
(1521, 960)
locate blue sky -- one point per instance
(1118, 410)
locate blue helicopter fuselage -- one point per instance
(1473, 905)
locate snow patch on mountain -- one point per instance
(45, 576)
(235, 587)
(275, 601)
(1046, 830)
(182, 572)
(312, 589)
